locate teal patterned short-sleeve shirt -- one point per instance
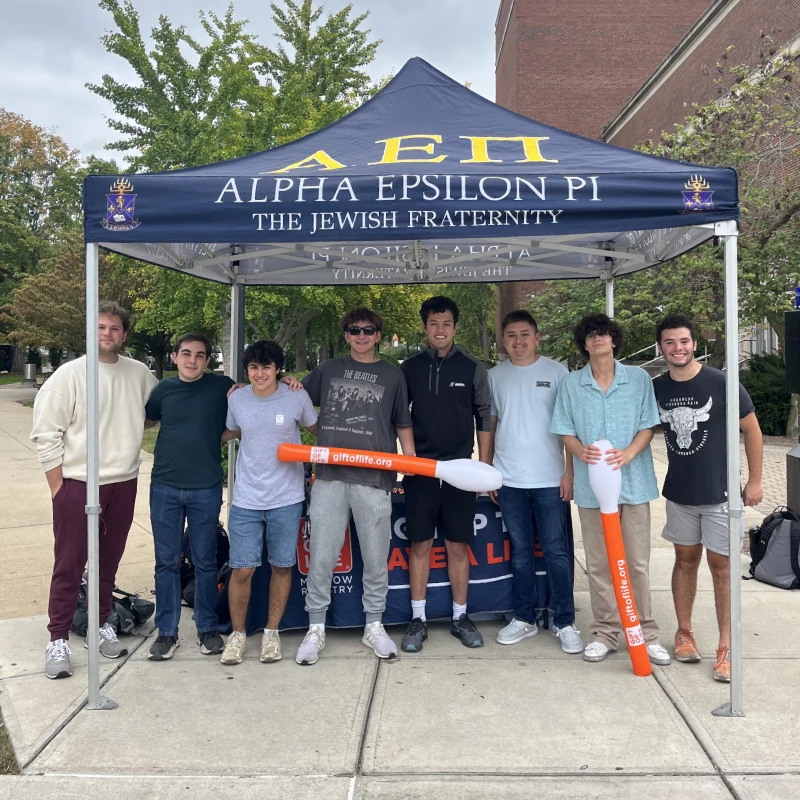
(583, 410)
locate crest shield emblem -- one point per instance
(697, 195)
(121, 207)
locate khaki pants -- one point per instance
(635, 521)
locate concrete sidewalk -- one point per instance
(507, 722)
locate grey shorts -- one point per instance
(693, 525)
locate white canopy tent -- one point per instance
(594, 212)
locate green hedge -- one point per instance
(765, 381)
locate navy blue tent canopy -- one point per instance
(426, 181)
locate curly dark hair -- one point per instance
(361, 314)
(672, 321)
(438, 305)
(598, 323)
(264, 352)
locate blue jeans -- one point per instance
(170, 509)
(542, 512)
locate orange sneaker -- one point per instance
(722, 666)
(686, 647)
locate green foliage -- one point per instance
(39, 198)
(765, 381)
(753, 127)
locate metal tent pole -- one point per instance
(735, 509)
(95, 700)
(235, 370)
(608, 277)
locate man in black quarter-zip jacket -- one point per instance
(450, 399)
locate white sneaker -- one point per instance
(595, 651)
(270, 647)
(516, 631)
(376, 637)
(657, 655)
(571, 641)
(313, 642)
(235, 648)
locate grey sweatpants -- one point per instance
(331, 505)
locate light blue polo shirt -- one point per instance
(629, 406)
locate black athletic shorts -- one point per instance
(431, 504)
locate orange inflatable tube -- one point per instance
(344, 456)
(606, 484)
(612, 533)
(463, 473)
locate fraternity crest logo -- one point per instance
(697, 196)
(120, 207)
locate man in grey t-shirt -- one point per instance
(268, 494)
(363, 404)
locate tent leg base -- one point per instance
(103, 704)
(725, 711)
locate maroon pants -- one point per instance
(71, 548)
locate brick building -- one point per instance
(627, 70)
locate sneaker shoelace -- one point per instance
(466, 624)
(313, 637)
(685, 639)
(59, 650)
(725, 658)
(108, 633)
(416, 626)
(567, 629)
(375, 630)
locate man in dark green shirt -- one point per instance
(186, 486)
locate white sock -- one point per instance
(418, 609)
(458, 610)
(317, 626)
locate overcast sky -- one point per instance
(50, 48)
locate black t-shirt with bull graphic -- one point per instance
(693, 415)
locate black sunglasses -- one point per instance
(368, 330)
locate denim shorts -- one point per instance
(249, 529)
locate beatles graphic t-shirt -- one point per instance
(360, 406)
(693, 415)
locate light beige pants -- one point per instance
(635, 521)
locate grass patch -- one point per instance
(8, 761)
(6, 379)
(26, 403)
(149, 439)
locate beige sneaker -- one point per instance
(235, 648)
(270, 647)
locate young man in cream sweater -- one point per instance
(59, 432)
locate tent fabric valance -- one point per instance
(425, 182)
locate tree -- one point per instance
(199, 102)
(754, 127)
(39, 196)
(48, 307)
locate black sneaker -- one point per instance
(211, 643)
(416, 634)
(464, 629)
(163, 648)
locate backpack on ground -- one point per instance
(775, 550)
(128, 611)
(187, 567)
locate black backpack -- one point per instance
(775, 550)
(128, 611)
(187, 567)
